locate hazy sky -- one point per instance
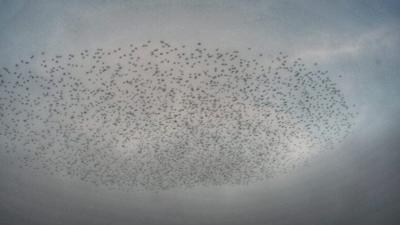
(355, 184)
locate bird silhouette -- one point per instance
(158, 115)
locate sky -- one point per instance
(353, 184)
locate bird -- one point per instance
(157, 115)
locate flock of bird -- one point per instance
(158, 116)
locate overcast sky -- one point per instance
(354, 184)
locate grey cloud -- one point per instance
(355, 184)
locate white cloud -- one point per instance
(332, 47)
